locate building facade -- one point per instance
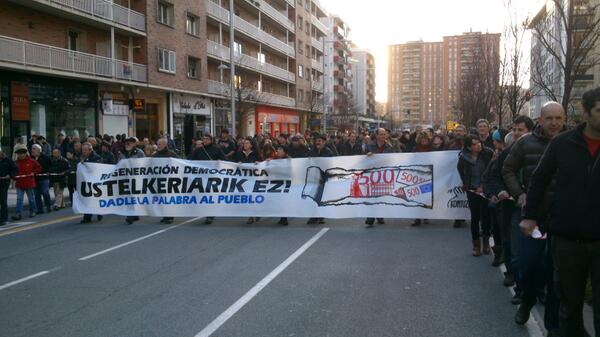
(363, 87)
(424, 78)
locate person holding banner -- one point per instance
(131, 151)
(207, 150)
(88, 155)
(163, 151)
(59, 166)
(472, 163)
(27, 168)
(320, 150)
(8, 169)
(380, 145)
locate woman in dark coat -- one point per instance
(59, 167)
(472, 163)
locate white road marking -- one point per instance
(24, 279)
(137, 240)
(235, 307)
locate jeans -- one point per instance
(3, 203)
(42, 189)
(30, 198)
(479, 212)
(573, 262)
(536, 274)
(59, 200)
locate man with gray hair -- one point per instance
(42, 179)
(89, 156)
(533, 254)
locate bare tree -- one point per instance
(479, 81)
(568, 32)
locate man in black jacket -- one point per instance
(533, 256)
(8, 169)
(573, 160)
(320, 150)
(352, 147)
(89, 156)
(163, 151)
(206, 150)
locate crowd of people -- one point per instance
(532, 188)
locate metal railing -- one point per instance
(48, 57)
(317, 43)
(315, 64)
(317, 23)
(276, 15)
(222, 52)
(223, 89)
(105, 10)
(249, 29)
(317, 86)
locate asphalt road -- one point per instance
(233, 279)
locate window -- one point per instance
(191, 25)
(259, 86)
(300, 95)
(166, 13)
(300, 47)
(307, 29)
(73, 40)
(307, 50)
(307, 5)
(166, 60)
(193, 67)
(237, 47)
(300, 22)
(301, 71)
(261, 58)
(238, 81)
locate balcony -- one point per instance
(100, 9)
(316, 65)
(221, 14)
(317, 23)
(317, 44)
(40, 57)
(221, 52)
(275, 14)
(317, 86)
(223, 89)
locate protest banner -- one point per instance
(404, 185)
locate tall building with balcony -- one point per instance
(265, 56)
(338, 75)
(415, 83)
(424, 78)
(363, 87)
(546, 73)
(55, 56)
(310, 37)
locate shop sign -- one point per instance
(278, 118)
(139, 105)
(114, 107)
(193, 105)
(19, 101)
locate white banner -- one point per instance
(406, 185)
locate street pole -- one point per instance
(232, 65)
(324, 91)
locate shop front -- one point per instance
(276, 121)
(45, 106)
(192, 118)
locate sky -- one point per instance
(375, 24)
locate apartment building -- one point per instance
(338, 75)
(546, 67)
(53, 58)
(363, 86)
(141, 67)
(424, 77)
